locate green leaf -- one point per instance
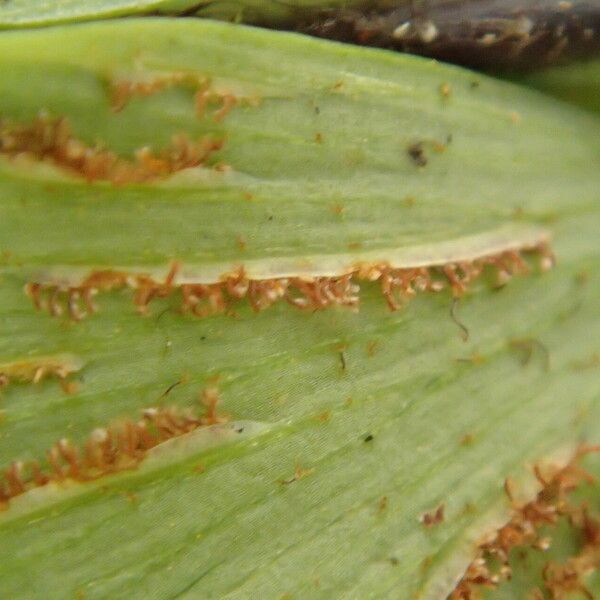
(577, 83)
(346, 426)
(28, 13)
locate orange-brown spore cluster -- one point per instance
(36, 369)
(434, 517)
(306, 293)
(523, 530)
(106, 451)
(51, 139)
(123, 90)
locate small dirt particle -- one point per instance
(417, 154)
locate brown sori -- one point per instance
(51, 139)
(398, 285)
(523, 530)
(106, 451)
(36, 369)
